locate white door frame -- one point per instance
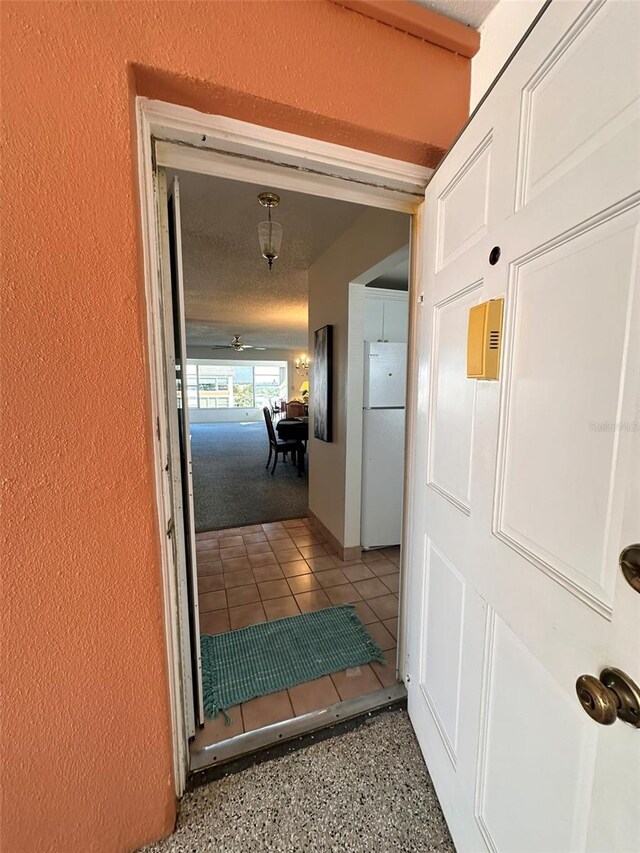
(178, 137)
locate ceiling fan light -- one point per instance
(270, 239)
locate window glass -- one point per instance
(243, 397)
(192, 385)
(241, 386)
(212, 387)
(269, 384)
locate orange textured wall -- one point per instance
(86, 743)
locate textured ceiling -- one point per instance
(470, 12)
(229, 289)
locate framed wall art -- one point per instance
(323, 383)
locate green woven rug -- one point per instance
(240, 665)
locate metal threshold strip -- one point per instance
(269, 736)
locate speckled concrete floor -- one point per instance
(366, 790)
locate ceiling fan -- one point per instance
(237, 345)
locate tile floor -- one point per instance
(254, 574)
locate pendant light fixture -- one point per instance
(269, 233)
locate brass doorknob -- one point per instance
(597, 700)
(613, 696)
(630, 565)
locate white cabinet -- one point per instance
(373, 319)
(386, 316)
(396, 320)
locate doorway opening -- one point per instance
(239, 571)
(260, 557)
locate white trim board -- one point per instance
(182, 138)
(216, 145)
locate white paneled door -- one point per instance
(529, 486)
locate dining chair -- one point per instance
(275, 408)
(277, 446)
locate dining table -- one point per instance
(295, 429)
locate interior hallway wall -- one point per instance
(86, 743)
(372, 237)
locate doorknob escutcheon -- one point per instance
(613, 696)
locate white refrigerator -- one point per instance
(385, 379)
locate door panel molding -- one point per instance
(611, 117)
(481, 766)
(509, 717)
(460, 498)
(596, 592)
(476, 223)
(440, 619)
